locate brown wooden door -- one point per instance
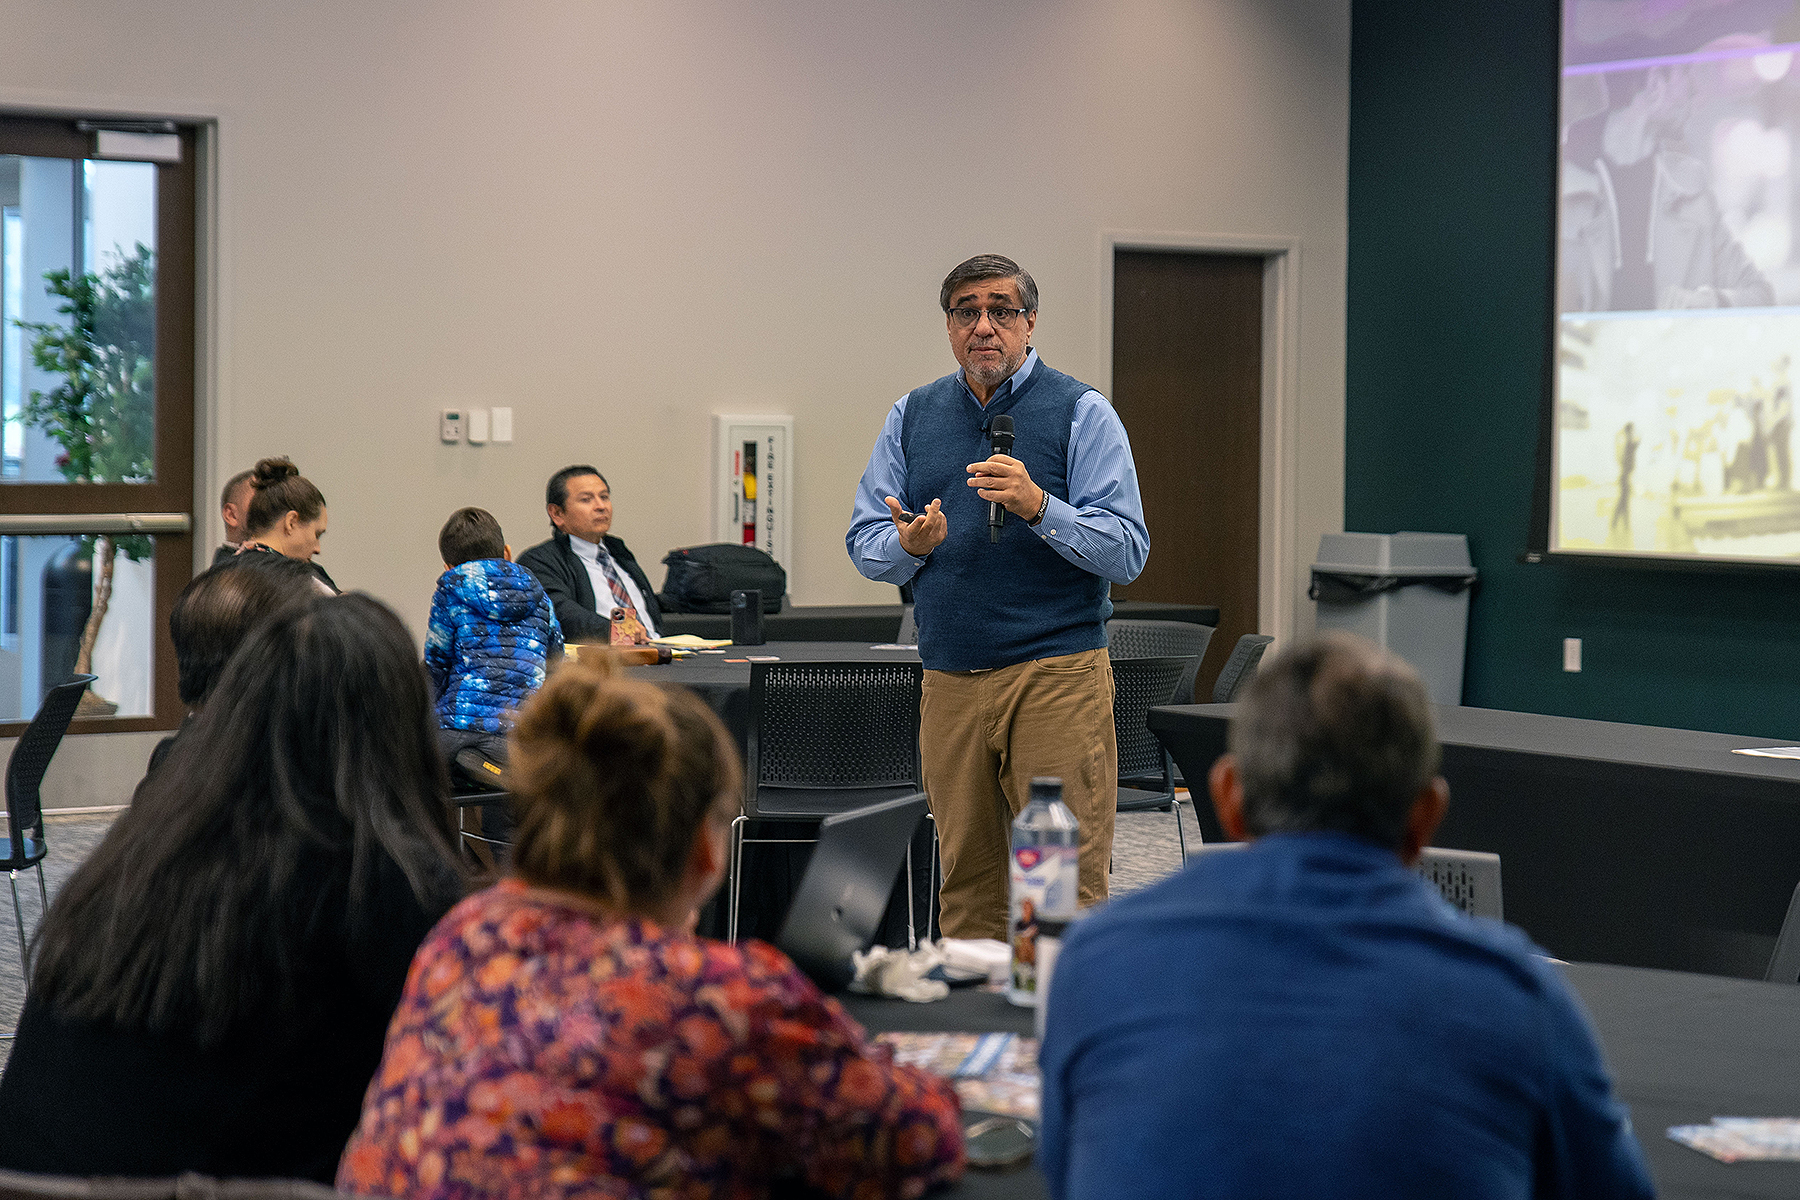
(1187, 382)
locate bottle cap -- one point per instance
(1046, 787)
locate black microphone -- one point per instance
(1000, 433)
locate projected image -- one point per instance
(1678, 279)
(1676, 435)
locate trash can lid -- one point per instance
(1425, 572)
(1378, 553)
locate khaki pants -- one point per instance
(982, 736)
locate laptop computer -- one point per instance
(845, 889)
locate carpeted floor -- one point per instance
(1144, 850)
(68, 841)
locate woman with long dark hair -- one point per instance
(211, 987)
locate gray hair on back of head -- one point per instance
(1334, 735)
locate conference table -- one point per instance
(881, 622)
(1618, 843)
(1682, 1048)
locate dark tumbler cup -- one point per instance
(746, 617)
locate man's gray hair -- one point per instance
(1334, 734)
(989, 266)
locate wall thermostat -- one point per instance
(450, 425)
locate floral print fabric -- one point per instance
(541, 1050)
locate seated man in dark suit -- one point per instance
(1309, 1017)
(581, 562)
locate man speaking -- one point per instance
(1011, 551)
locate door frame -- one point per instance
(1276, 600)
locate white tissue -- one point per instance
(896, 973)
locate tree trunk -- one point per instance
(104, 553)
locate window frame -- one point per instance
(177, 372)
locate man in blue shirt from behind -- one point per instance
(1309, 1017)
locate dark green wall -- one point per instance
(1452, 174)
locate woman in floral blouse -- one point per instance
(566, 1033)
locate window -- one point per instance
(97, 368)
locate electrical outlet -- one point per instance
(1571, 654)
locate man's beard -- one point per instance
(997, 374)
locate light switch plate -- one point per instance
(501, 425)
(478, 426)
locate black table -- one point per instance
(1618, 843)
(1686, 1048)
(723, 680)
(881, 622)
(1682, 1048)
(964, 1010)
(805, 623)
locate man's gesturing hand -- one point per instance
(1005, 479)
(925, 532)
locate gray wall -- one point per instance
(621, 218)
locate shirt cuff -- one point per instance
(1058, 524)
(896, 569)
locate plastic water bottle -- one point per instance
(1045, 873)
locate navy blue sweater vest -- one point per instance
(980, 605)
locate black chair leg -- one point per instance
(19, 920)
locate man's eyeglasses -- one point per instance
(1001, 318)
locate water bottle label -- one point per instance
(1045, 880)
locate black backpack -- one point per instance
(701, 578)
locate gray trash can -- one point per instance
(1408, 592)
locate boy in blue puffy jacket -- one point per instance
(493, 634)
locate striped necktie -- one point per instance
(621, 598)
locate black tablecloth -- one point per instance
(1686, 1048)
(881, 622)
(1682, 1048)
(1618, 843)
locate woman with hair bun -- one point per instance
(565, 1032)
(286, 516)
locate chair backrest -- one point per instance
(31, 756)
(833, 725)
(1159, 639)
(1240, 668)
(1784, 964)
(909, 628)
(1469, 879)
(18, 1185)
(1140, 684)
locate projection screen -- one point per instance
(1678, 281)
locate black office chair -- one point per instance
(1784, 964)
(1161, 639)
(1140, 684)
(1468, 879)
(24, 844)
(825, 738)
(478, 782)
(1240, 668)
